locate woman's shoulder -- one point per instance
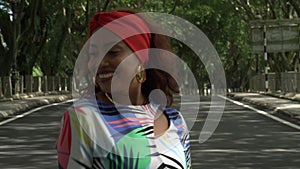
(176, 119)
(174, 116)
(83, 106)
(172, 112)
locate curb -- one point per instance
(276, 110)
(31, 95)
(14, 107)
(288, 96)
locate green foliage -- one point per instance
(50, 33)
(265, 9)
(6, 28)
(32, 34)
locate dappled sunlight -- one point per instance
(245, 139)
(30, 142)
(289, 106)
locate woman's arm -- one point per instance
(73, 146)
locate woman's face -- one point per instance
(110, 66)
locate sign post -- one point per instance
(274, 36)
(266, 58)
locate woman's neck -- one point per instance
(134, 98)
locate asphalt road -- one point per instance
(29, 142)
(244, 139)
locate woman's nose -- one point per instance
(95, 63)
(104, 62)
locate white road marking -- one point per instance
(286, 150)
(32, 111)
(263, 113)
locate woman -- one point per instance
(125, 127)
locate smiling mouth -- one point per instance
(105, 76)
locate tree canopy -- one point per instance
(49, 34)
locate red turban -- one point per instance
(131, 28)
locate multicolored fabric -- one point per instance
(99, 135)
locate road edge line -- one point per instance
(32, 111)
(262, 113)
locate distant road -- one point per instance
(243, 139)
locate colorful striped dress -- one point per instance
(99, 135)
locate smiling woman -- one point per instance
(119, 124)
(109, 64)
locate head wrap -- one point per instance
(131, 28)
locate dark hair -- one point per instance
(158, 79)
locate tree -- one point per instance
(7, 38)
(285, 9)
(53, 32)
(32, 35)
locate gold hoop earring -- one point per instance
(141, 74)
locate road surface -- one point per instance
(243, 139)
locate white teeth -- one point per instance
(108, 75)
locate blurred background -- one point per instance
(41, 39)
